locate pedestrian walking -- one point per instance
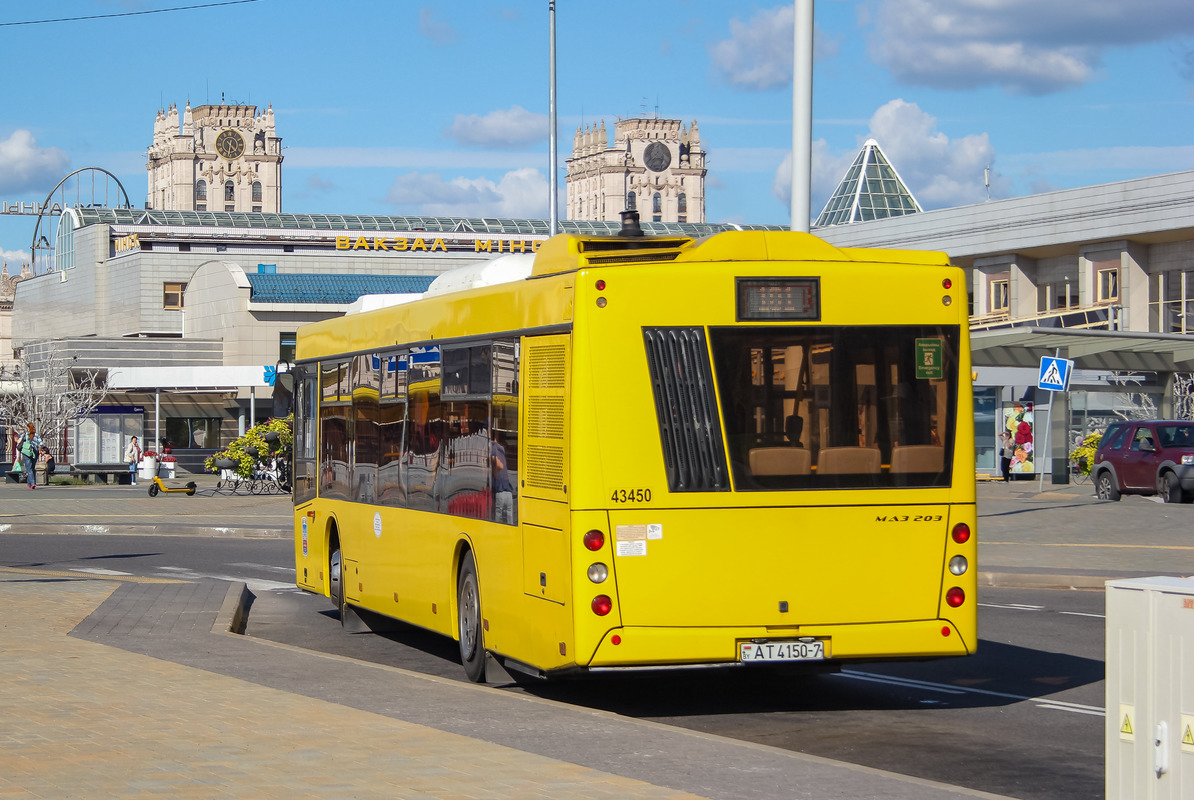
(132, 454)
(27, 449)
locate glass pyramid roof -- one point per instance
(871, 189)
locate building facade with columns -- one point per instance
(215, 158)
(655, 166)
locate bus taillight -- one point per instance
(961, 533)
(602, 605)
(954, 597)
(594, 540)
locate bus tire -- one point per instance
(468, 609)
(336, 581)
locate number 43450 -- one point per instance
(631, 496)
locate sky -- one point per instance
(441, 109)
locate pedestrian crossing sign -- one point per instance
(1055, 374)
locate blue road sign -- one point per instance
(1055, 374)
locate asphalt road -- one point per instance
(1021, 718)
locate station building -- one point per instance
(189, 313)
(191, 305)
(1102, 276)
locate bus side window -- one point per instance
(304, 434)
(391, 490)
(503, 425)
(335, 407)
(365, 412)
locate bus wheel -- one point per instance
(336, 582)
(472, 642)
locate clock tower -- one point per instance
(220, 158)
(656, 166)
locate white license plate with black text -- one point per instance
(749, 652)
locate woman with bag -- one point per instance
(132, 454)
(28, 448)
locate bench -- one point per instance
(94, 472)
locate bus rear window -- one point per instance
(837, 407)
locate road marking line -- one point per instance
(98, 571)
(1041, 702)
(1012, 606)
(1114, 546)
(1082, 614)
(83, 577)
(257, 584)
(266, 567)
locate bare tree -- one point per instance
(1183, 396)
(51, 393)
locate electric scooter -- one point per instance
(159, 485)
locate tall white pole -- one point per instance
(554, 193)
(802, 115)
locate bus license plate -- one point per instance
(781, 651)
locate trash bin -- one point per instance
(147, 468)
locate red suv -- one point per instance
(1146, 457)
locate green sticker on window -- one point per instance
(928, 359)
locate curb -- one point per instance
(1035, 580)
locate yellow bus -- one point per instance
(652, 452)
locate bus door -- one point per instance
(543, 478)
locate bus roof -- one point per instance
(567, 252)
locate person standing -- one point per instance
(28, 448)
(132, 454)
(1008, 451)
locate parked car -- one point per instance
(1146, 457)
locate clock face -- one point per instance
(230, 145)
(657, 157)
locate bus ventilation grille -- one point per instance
(632, 258)
(687, 409)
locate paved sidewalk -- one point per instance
(150, 697)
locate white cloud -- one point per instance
(507, 128)
(827, 172)
(939, 171)
(758, 54)
(438, 32)
(520, 193)
(1023, 46)
(25, 166)
(14, 259)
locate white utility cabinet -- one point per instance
(1150, 689)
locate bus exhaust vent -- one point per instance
(685, 404)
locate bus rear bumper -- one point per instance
(670, 647)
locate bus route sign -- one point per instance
(928, 359)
